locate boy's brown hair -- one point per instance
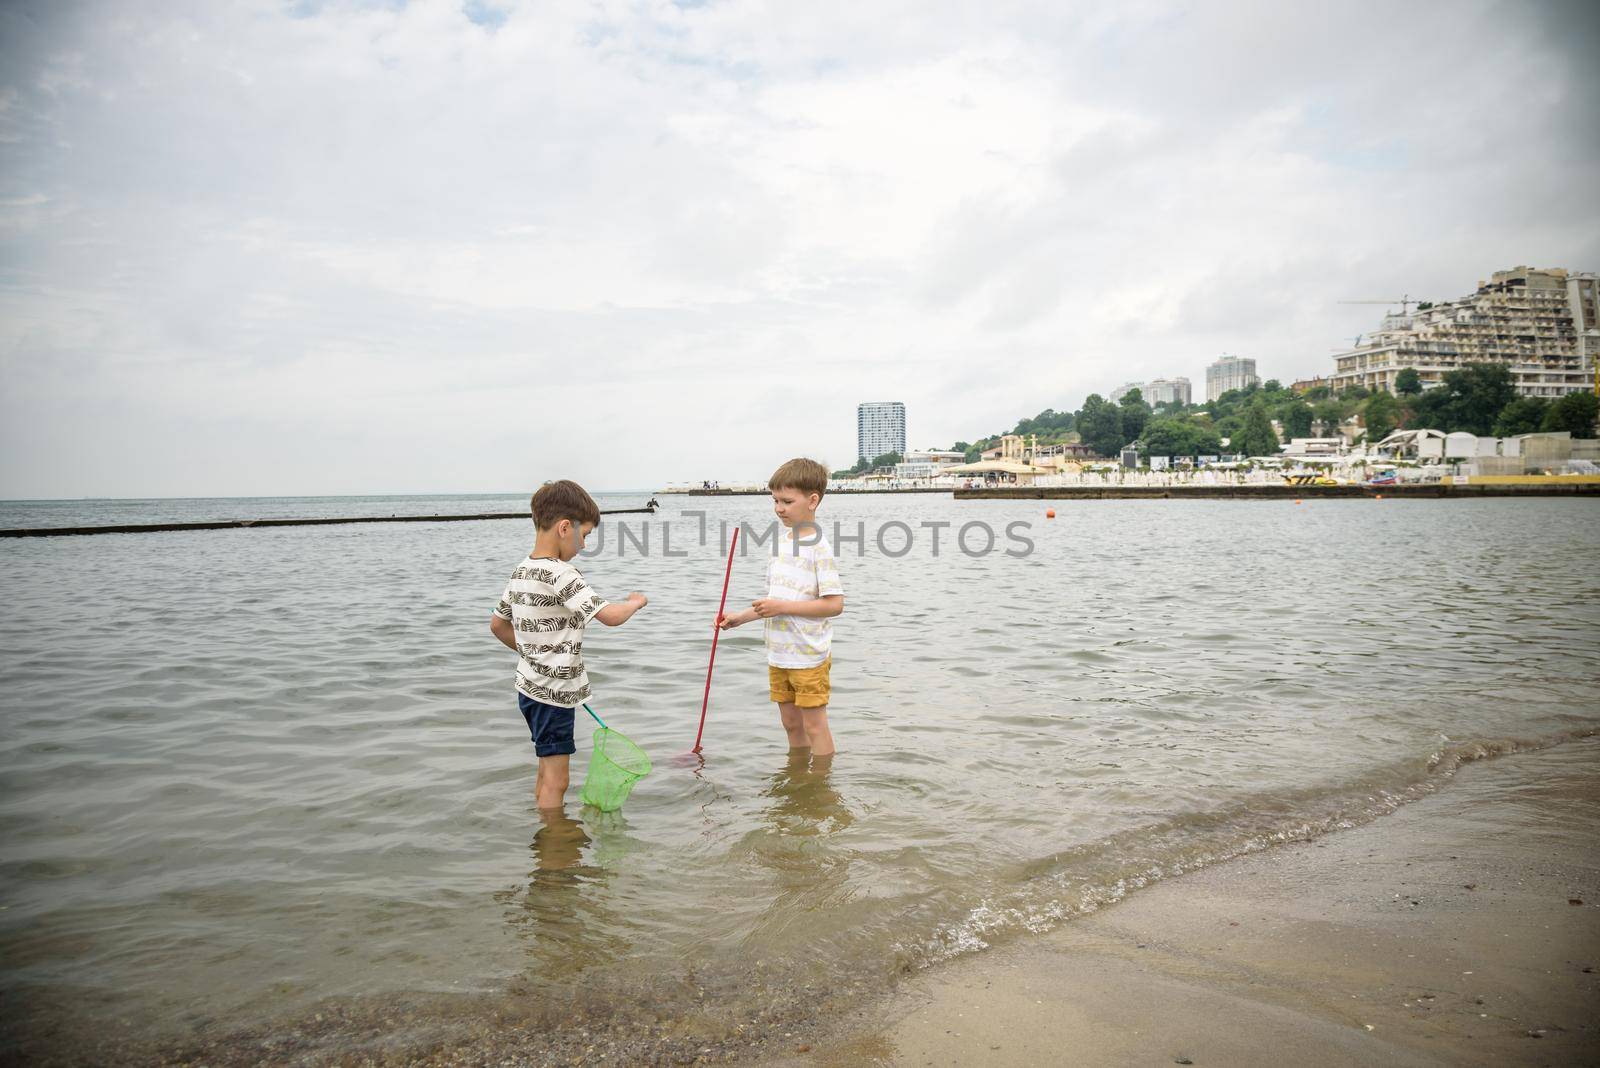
(807, 476)
(555, 501)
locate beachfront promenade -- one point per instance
(1269, 491)
(1260, 484)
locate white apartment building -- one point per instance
(1542, 324)
(1229, 372)
(1156, 391)
(1167, 391)
(1116, 395)
(880, 428)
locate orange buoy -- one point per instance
(1049, 513)
(1297, 500)
(1379, 496)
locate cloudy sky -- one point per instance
(284, 248)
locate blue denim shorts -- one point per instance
(550, 726)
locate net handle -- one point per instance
(716, 629)
(597, 719)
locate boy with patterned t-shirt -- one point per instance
(541, 617)
(803, 596)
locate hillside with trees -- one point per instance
(1478, 398)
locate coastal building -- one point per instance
(1306, 385)
(1167, 391)
(927, 463)
(1541, 453)
(1156, 391)
(1229, 372)
(1116, 395)
(1010, 461)
(880, 428)
(1541, 324)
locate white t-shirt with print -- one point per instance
(548, 603)
(801, 569)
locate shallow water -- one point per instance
(247, 771)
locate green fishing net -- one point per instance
(616, 765)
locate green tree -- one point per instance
(1256, 437)
(886, 459)
(1296, 416)
(1177, 436)
(1469, 399)
(1574, 413)
(1327, 415)
(1100, 423)
(1382, 415)
(1408, 383)
(1135, 414)
(1525, 415)
(960, 446)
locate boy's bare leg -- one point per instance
(815, 721)
(550, 784)
(794, 724)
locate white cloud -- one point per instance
(355, 247)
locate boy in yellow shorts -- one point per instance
(803, 596)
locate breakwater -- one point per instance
(246, 524)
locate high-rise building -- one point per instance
(1156, 391)
(1229, 372)
(1116, 395)
(880, 428)
(1167, 391)
(1542, 324)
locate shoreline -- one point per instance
(1463, 928)
(1274, 491)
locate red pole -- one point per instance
(716, 630)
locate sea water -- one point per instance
(249, 772)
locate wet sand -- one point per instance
(1462, 929)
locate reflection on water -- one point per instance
(558, 844)
(804, 802)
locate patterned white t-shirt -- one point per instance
(549, 603)
(801, 569)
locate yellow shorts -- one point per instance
(806, 687)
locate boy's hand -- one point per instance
(638, 598)
(766, 607)
(738, 619)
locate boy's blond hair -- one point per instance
(807, 476)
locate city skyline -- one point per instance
(308, 248)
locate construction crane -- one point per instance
(1403, 302)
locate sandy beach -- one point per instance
(1462, 929)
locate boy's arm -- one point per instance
(738, 619)
(502, 628)
(820, 608)
(829, 601)
(615, 613)
(501, 625)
